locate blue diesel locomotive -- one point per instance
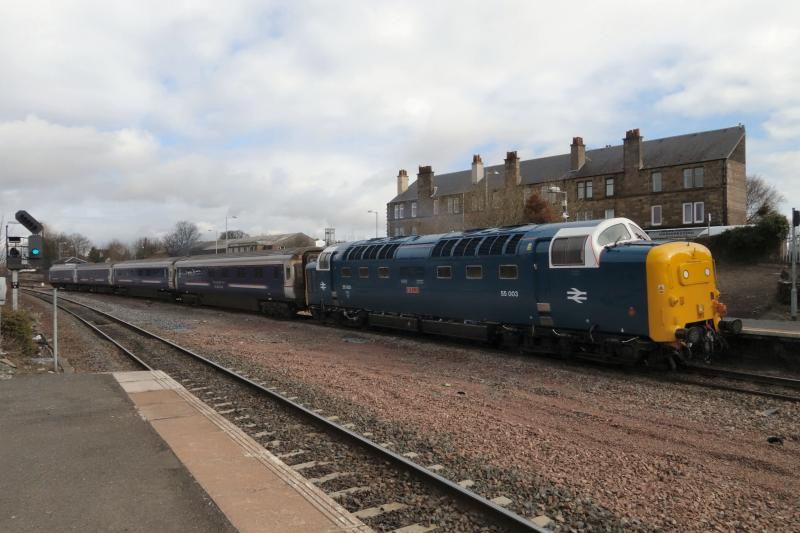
(600, 288)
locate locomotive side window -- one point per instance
(567, 251)
(616, 233)
(383, 272)
(258, 272)
(412, 272)
(444, 272)
(241, 272)
(508, 272)
(347, 272)
(363, 272)
(474, 272)
(324, 262)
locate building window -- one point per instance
(610, 213)
(481, 202)
(656, 178)
(496, 199)
(609, 186)
(474, 272)
(473, 203)
(413, 209)
(655, 215)
(693, 178)
(699, 212)
(450, 206)
(687, 213)
(456, 205)
(413, 230)
(396, 211)
(435, 206)
(402, 208)
(585, 190)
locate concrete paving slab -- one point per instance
(255, 489)
(76, 456)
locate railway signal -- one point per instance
(34, 250)
(25, 218)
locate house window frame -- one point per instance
(456, 205)
(449, 205)
(609, 182)
(656, 177)
(605, 213)
(701, 218)
(402, 210)
(435, 206)
(694, 178)
(413, 209)
(690, 206)
(653, 210)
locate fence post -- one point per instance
(55, 330)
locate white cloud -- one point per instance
(297, 115)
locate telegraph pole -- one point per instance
(795, 223)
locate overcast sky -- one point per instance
(119, 118)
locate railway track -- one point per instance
(718, 374)
(383, 487)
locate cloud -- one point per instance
(297, 115)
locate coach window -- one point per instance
(258, 272)
(444, 272)
(568, 251)
(288, 273)
(474, 272)
(226, 273)
(508, 272)
(347, 272)
(363, 272)
(383, 272)
(614, 234)
(241, 272)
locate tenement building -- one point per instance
(673, 182)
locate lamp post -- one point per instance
(557, 190)
(226, 230)
(216, 240)
(376, 221)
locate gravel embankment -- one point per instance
(582, 445)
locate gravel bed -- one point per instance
(591, 445)
(81, 347)
(305, 441)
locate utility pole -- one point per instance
(795, 223)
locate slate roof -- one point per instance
(678, 150)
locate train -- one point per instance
(598, 289)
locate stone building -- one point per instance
(672, 182)
(258, 243)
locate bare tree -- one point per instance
(80, 244)
(538, 210)
(145, 247)
(117, 251)
(233, 234)
(181, 240)
(762, 198)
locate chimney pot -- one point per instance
(402, 181)
(577, 141)
(477, 169)
(633, 153)
(512, 172)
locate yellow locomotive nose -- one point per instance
(681, 290)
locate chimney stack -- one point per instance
(402, 181)
(424, 182)
(577, 156)
(632, 152)
(513, 177)
(477, 169)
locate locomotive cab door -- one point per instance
(541, 285)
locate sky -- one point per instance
(118, 119)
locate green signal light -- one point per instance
(35, 251)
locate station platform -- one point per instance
(787, 329)
(135, 451)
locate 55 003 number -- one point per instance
(510, 294)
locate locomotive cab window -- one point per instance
(616, 233)
(383, 272)
(508, 272)
(444, 272)
(474, 272)
(568, 251)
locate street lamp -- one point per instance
(486, 175)
(226, 230)
(557, 190)
(376, 221)
(216, 241)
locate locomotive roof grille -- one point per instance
(486, 245)
(497, 245)
(511, 247)
(458, 251)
